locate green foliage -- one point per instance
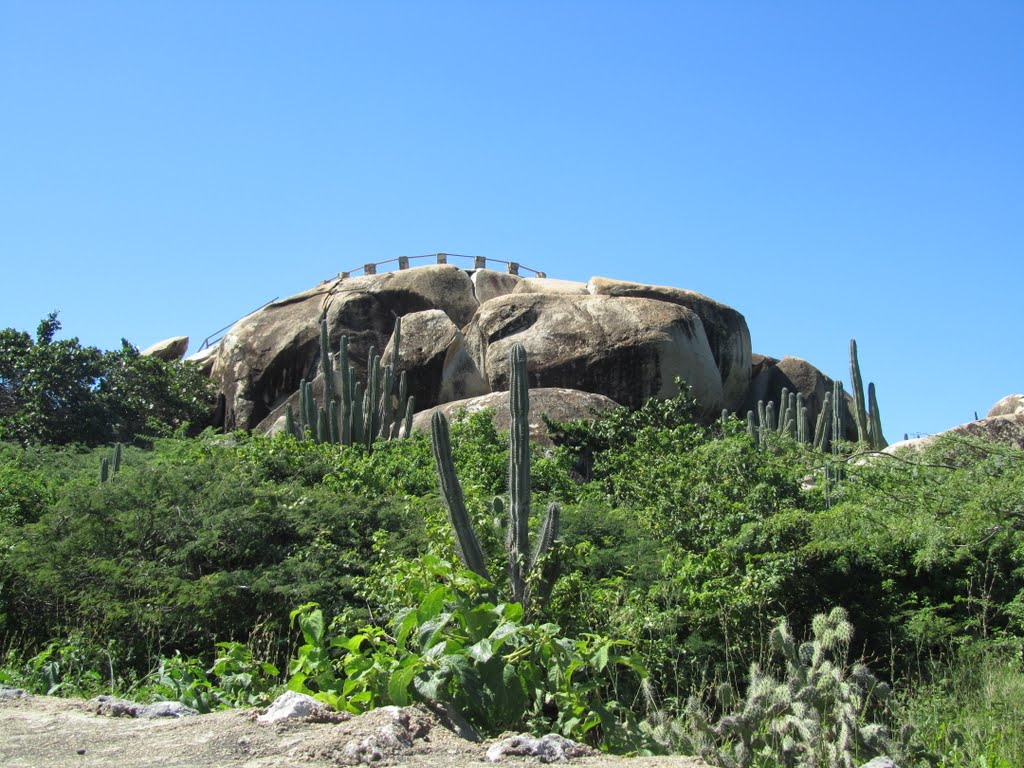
(455, 647)
(56, 392)
(236, 679)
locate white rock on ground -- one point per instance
(290, 705)
(547, 749)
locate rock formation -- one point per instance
(167, 350)
(626, 341)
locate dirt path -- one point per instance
(49, 732)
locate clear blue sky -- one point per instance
(828, 169)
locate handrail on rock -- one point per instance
(479, 262)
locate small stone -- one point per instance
(290, 705)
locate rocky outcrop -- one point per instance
(167, 350)
(1008, 406)
(488, 284)
(550, 285)
(556, 403)
(623, 340)
(1003, 428)
(265, 355)
(725, 328)
(432, 352)
(796, 375)
(630, 349)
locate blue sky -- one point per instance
(831, 170)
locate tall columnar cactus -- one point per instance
(530, 583)
(859, 410)
(869, 423)
(878, 441)
(823, 426)
(351, 413)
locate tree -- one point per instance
(58, 392)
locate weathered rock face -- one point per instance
(488, 284)
(628, 349)
(797, 376)
(556, 403)
(1009, 405)
(432, 352)
(170, 349)
(1005, 428)
(264, 356)
(725, 328)
(550, 285)
(623, 340)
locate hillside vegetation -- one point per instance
(757, 602)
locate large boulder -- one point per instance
(1009, 405)
(624, 340)
(629, 349)
(263, 358)
(432, 353)
(798, 376)
(167, 350)
(489, 284)
(550, 285)
(556, 403)
(725, 328)
(1004, 428)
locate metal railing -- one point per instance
(479, 262)
(216, 336)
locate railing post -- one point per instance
(403, 262)
(442, 258)
(542, 274)
(369, 269)
(479, 262)
(343, 275)
(513, 268)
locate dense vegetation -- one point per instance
(219, 568)
(56, 392)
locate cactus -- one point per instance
(823, 426)
(530, 575)
(352, 414)
(859, 412)
(750, 427)
(878, 441)
(104, 469)
(115, 462)
(467, 545)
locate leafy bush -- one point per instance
(455, 647)
(58, 392)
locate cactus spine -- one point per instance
(530, 580)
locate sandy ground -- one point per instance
(49, 732)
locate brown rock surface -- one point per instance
(170, 349)
(1011, 404)
(265, 355)
(725, 328)
(628, 349)
(556, 403)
